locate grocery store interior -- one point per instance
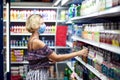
(71, 25)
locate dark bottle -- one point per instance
(66, 74)
(85, 74)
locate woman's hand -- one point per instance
(83, 52)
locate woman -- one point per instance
(39, 54)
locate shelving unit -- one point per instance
(98, 44)
(109, 13)
(25, 47)
(112, 12)
(20, 22)
(103, 16)
(60, 47)
(54, 22)
(27, 6)
(100, 75)
(23, 62)
(46, 21)
(28, 34)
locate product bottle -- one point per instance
(78, 10)
(85, 74)
(108, 4)
(115, 3)
(12, 15)
(66, 74)
(71, 11)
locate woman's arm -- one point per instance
(57, 58)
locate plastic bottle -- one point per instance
(18, 14)
(12, 15)
(46, 14)
(37, 12)
(25, 43)
(43, 39)
(52, 43)
(108, 4)
(24, 15)
(71, 11)
(49, 44)
(11, 43)
(54, 14)
(74, 10)
(14, 12)
(51, 15)
(51, 29)
(19, 43)
(16, 42)
(66, 74)
(115, 3)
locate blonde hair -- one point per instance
(33, 22)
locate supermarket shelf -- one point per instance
(63, 2)
(72, 68)
(68, 2)
(19, 47)
(110, 48)
(28, 34)
(25, 47)
(69, 22)
(100, 45)
(25, 21)
(23, 62)
(20, 34)
(112, 12)
(59, 47)
(32, 5)
(63, 62)
(55, 78)
(70, 44)
(86, 41)
(97, 73)
(28, 7)
(111, 31)
(61, 21)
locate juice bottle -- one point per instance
(108, 4)
(15, 17)
(11, 15)
(78, 10)
(110, 38)
(113, 40)
(115, 2)
(117, 40)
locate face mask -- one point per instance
(42, 29)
